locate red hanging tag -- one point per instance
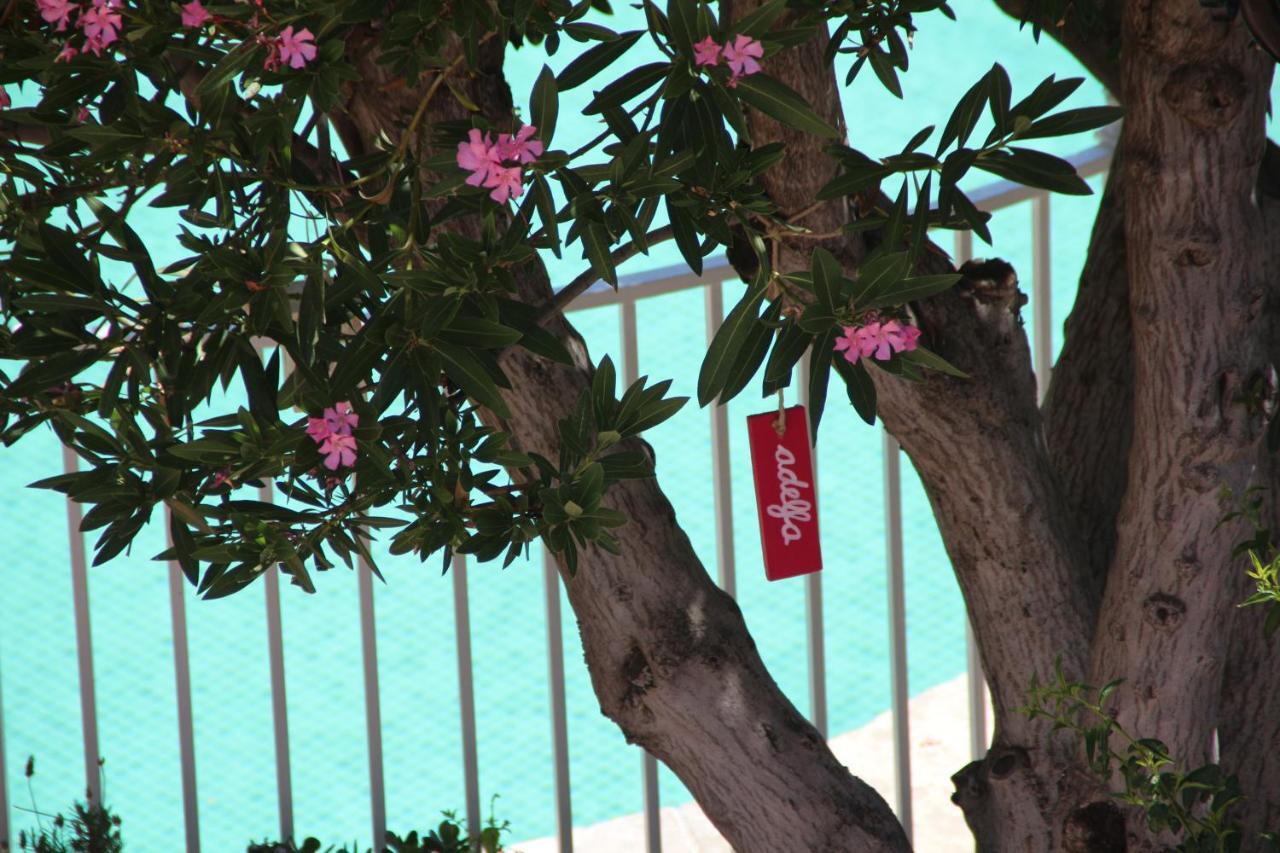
(786, 494)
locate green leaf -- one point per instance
(544, 104)
(1035, 169)
(728, 344)
(860, 388)
(686, 234)
(682, 18)
(788, 347)
(965, 116)
(999, 92)
(466, 371)
(752, 353)
(933, 361)
(827, 279)
(819, 377)
(777, 100)
(628, 86)
(880, 274)
(1073, 121)
(907, 290)
(625, 465)
(758, 23)
(595, 248)
(227, 69)
(886, 73)
(595, 60)
(479, 332)
(656, 413)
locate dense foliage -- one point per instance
(375, 290)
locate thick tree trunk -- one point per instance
(1193, 139)
(670, 657)
(669, 654)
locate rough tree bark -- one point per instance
(670, 657)
(1032, 582)
(1194, 136)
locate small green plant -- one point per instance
(92, 828)
(449, 837)
(1194, 806)
(1263, 555)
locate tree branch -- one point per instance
(665, 647)
(583, 282)
(1088, 410)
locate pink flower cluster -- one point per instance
(878, 339)
(332, 431)
(289, 48)
(99, 21)
(499, 165)
(740, 55)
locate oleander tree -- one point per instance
(360, 213)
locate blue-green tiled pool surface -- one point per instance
(415, 629)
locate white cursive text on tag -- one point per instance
(791, 508)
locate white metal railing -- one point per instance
(630, 289)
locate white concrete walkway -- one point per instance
(939, 747)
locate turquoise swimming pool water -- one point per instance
(235, 765)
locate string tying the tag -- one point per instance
(780, 425)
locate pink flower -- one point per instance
(477, 156)
(194, 14)
(5, 100)
(338, 450)
(520, 148)
(296, 49)
(57, 11)
(67, 53)
(82, 115)
(340, 418)
(901, 337)
(741, 54)
(876, 339)
(335, 420)
(221, 478)
(332, 431)
(96, 43)
(848, 344)
(706, 52)
(100, 22)
(507, 182)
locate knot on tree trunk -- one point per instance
(1206, 95)
(1095, 828)
(991, 282)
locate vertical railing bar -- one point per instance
(466, 694)
(1042, 292)
(84, 641)
(813, 615)
(652, 805)
(964, 246)
(648, 764)
(186, 717)
(977, 696)
(559, 715)
(4, 779)
(372, 704)
(897, 629)
(279, 703)
(721, 472)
